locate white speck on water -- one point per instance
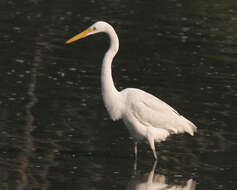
(72, 69)
(11, 99)
(19, 60)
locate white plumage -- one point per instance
(146, 117)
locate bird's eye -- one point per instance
(94, 28)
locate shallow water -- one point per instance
(55, 132)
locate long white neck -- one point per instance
(109, 92)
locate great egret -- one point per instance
(146, 117)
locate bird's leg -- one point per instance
(135, 161)
(135, 149)
(151, 174)
(135, 166)
(152, 145)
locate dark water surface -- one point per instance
(55, 132)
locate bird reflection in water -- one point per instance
(153, 181)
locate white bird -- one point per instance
(146, 117)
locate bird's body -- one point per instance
(146, 117)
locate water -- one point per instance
(55, 132)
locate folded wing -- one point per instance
(151, 111)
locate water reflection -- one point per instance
(29, 147)
(30, 158)
(152, 180)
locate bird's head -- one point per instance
(99, 26)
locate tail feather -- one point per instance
(189, 127)
(179, 125)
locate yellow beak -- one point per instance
(79, 36)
